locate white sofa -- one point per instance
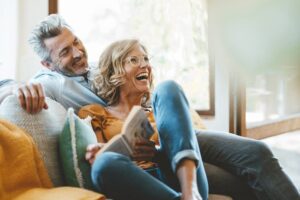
(44, 128)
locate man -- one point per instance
(66, 80)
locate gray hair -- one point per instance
(50, 27)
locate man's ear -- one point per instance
(47, 64)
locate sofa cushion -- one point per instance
(59, 193)
(44, 128)
(21, 166)
(196, 119)
(76, 135)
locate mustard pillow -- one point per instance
(60, 193)
(73, 140)
(197, 121)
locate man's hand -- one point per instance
(32, 97)
(144, 150)
(91, 151)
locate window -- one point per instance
(273, 95)
(174, 32)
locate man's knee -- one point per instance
(261, 151)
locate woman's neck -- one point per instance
(124, 106)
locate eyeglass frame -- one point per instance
(146, 60)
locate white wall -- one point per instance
(30, 13)
(8, 38)
(17, 18)
(251, 37)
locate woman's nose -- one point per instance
(144, 64)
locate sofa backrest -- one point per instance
(44, 128)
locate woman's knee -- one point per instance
(168, 89)
(106, 165)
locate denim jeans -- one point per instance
(117, 177)
(251, 161)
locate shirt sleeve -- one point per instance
(6, 82)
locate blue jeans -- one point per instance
(117, 177)
(249, 161)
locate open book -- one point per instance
(135, 126)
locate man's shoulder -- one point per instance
(46, 74)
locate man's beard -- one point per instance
(66, 73)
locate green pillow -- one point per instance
(76, 135)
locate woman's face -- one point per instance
(138, 71)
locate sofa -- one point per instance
(44, 128)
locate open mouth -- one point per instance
(142, 76)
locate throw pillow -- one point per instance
(44, 127)
(65, 193)
(197, 121)
(76, 135)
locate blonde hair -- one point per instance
(110, 73)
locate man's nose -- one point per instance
(77, 52)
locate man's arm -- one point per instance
(31, 96)
(6, 88)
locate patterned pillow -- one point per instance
(76, 135)
(43, 127)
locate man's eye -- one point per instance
(64, 53)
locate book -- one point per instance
(135, 126)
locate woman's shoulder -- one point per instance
(94, 109)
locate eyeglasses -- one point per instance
(136, 61)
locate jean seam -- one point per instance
(239, 167)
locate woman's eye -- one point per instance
(134, 60)
(146, 59)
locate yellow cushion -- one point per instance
(60, 193)
(21, 166)
(197, 121)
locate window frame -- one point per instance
(238, 124)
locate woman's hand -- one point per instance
(91, 151)
(143, 150)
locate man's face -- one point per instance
(67, 53)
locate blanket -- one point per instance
(22, 171)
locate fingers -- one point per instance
(41, 98)
(91, 151)
(144, 150)
(32, 98)
(22, 93)
(143, 156)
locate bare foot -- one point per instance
(192, 195)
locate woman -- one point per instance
(124, 80)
